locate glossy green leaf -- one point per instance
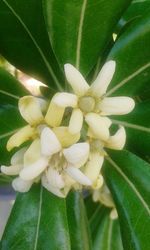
(128, 179)
(132, 55)
(10, 88)
(24, 40)
(77, 221)
(38, 221)
(10, 122)
(80, 30)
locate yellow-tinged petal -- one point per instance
(56, 191)
(65, 138)
(65, 100)
(24, 134)
(76, 80)
(76, 121)
(98, 126)
(17, 158)
(54, 115)
(119, 105)
(31, 110)
(113, 214)
(33, 153)
(11, 170)
(100, 85)
(54, 178)
(77, 175)
(118, 140)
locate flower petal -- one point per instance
(116, 105)
(30, 109)
(77, 154)
(56, 191)
(54, 178)
(118, 140)
(93, 166)
(76, 80)
(65, 100)
(21, 185)
(66, 139)
(49, 142)
(98, 126)
(77, 175)
(51, 118)
(11, 170)
(33, 153)
(76, 121)
(100, 85)
(23, 135)
(17, 158)
(34, 170)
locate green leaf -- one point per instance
(38, 221)
(80, 30)
(10, 88)
(24, 40)
(132, 54)
(78, 224)
(4, 179)
(128, 178)
(108, 235)
(10, 122)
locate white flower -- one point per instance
(58, 167)
(91, 99)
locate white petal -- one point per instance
(76, 80)
(49, 142)
(100, 85)
(65, 100)
(34, 170)
(31, 109)
(21, 185)
(51, 118)
(17, 158)
(93, 166)
(98, 126)
(117, 105)
(54, 178)
(76, 121)
(33, 153)
(11, 170)
(77, 175)
(118, 140)
(77, 154)
(66, 139)
(52, 189)
(113, 214)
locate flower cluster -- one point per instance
(67, 137)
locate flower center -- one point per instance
(87, 104)
(58, 161)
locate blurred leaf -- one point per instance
(77, 221)
(132, 54)
(80, 30)
(38, 221)
(10, 88)
(24, 40)
(128, 179)
(4, 179)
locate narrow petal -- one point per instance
(100, 85)
(34, 170)
(118, 140)
(24, 134)
(33, 153)
(77, 154)
(76, 121)
(98, 126)
(114, 214)
(77, 175)
(31, 110)
(66, 139)
(76, 80)
(116, 105)
(54, 178)
(51, 118)
(49, 142)
(17, 158)
(56, 191)
(65, 100)
(11, 170)
(21, 185)
(93, 166)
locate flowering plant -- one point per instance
(77, 152)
